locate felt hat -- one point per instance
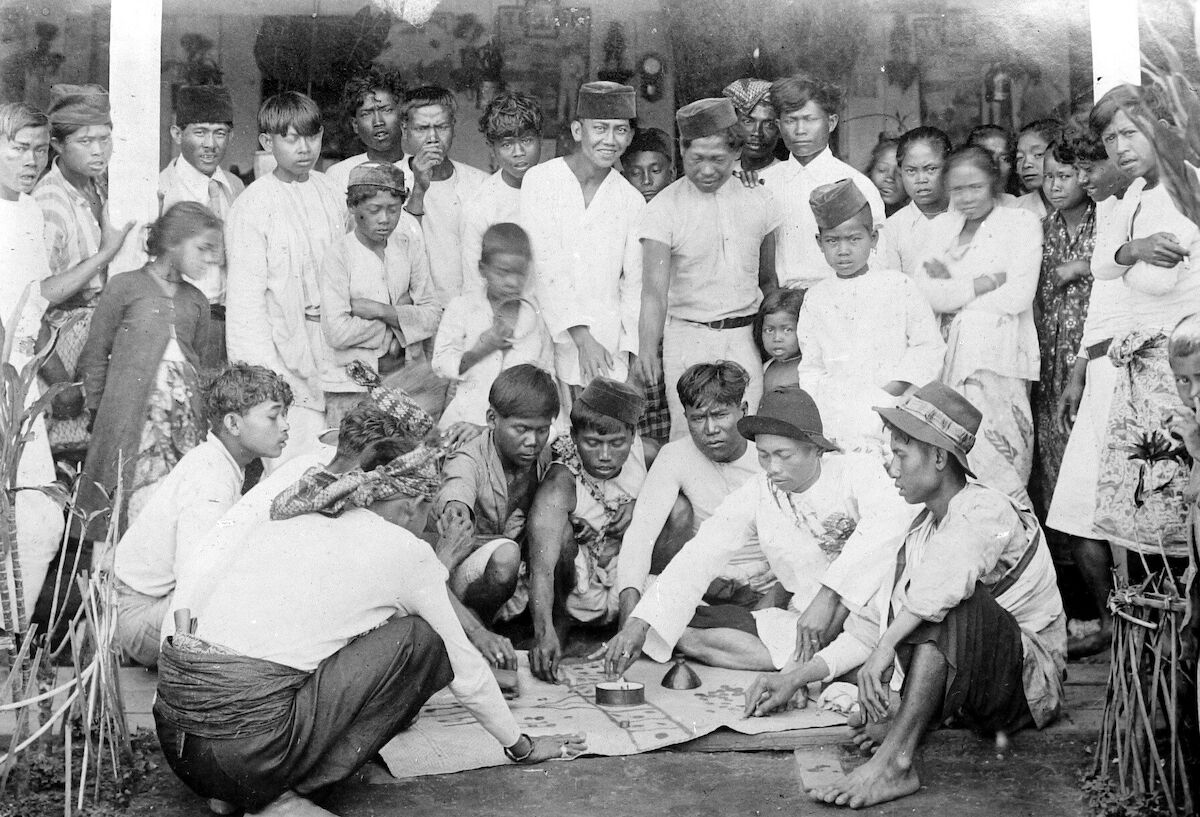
(833, 204)
(380, 174)
(606, 100)
(704, 117)
(787, 411)
(203, 103)
(748, 93)
(614, 399)
(78, 105)
(938, 415)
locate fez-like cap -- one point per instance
(704, 117)
(380, 174)
(788, 411)
(938, 415)
(833, 204)
(203, 103)
(78, 105)
(748, 93)
(606, 100)
(614, 399)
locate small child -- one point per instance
(1183, 421)
(485, 332)
(866, 335)
(647, 163)
(247, 408)
(490, 482)
(778, 318)
(378, 302)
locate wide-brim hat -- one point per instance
(791, 412)
(938, 415)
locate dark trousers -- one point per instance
(352, 704)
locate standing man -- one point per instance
(752, 100)
(708, 252)
(373, 101)
(440, 186)
(808, 114)
(580, 214)
(203, 123)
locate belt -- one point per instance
(725, 323)
(216, 311)
(314, 318)
(1097, 350)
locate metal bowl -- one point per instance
(620, 693)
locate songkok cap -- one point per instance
(704, 117)
(787, 411)
(606, 100)
(78, 105)
(614, 399)
(938, 415)
(203, 103)
(833, 204)
(380, 174)
(748, 93)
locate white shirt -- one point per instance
(799, 262)
(184, 506)
(339, 174)
(181, 181)
(901, 239)
(587, 262)
(344, 576)
(842, 533)
(1107, 312)
(682, 468)
(1032, 202)
(496, 202)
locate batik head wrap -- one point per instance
(748, 93)
(415, 420)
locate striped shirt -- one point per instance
(72, 230)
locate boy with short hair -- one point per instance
(247, 408)
(373, 101)
(512, 126)
(647, 162)
(866, 335)
(490, 482)
(377, 298)
(276, 237)
(579, 515)
(484, 333)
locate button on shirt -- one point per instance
(799, 262)
(714, 240)
(180, 181)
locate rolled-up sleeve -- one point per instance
(653, 507)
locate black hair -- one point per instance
(363, 85)
(650, 140)
(505, 237)
(365, 424)
(585, 418)
(793, 93)
(979, 157)
(722, 382)
(524, 390)
(1143, 101)
(290, 109)
(934, 137)
(239, 387)
(181, 221)
(511, 114)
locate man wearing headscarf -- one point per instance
(752, 100)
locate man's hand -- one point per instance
(936, 269)
(455, 535)
(111, 236)
(460, 433)
(495, 649)
(621, 519)
(813, 628)
(1068, 405)
(648, 369)
(873, 678)
(748, 178)
(624, 648)
(556, 747)
(1159, 250)
(494, 339)
(1181, 422)
(594, 359)
(771, 691)
(1072, 270)
(428, 157)
(545, 655)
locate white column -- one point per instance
(1116, 49)
(134, 74)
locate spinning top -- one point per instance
(681, 676)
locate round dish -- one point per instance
(620, 693)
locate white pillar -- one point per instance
(1116, 49)
(134, 75)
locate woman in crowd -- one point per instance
(139, 365)
(1032, 143)
(980, 274)
(921, 153)
(884, 173)
(1002, 147)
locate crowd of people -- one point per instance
(777, 414)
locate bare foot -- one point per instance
(1090, 644)
(868, 735)
(374, 773)
(290, 804)
(876, 781)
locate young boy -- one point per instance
(647, 162)
(377, 298)
(708, 252)
(866, 335)
(247, 408)
(276, 237)
(512, 126)
(490, 482)
(484, 333)
(579, 515)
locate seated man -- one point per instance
(320, 643)
(829, 525)
(247, 409)
(488, 485)
(579, 515)
(689, 480)
(974, 619)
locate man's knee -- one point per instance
(416, 632)
(504, 564)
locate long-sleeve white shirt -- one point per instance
(495, 202)
(181, 181)
(312, 584)
(842, 533)
(587, 262)
(799, 262)
(1107, 312)
(901, 239)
